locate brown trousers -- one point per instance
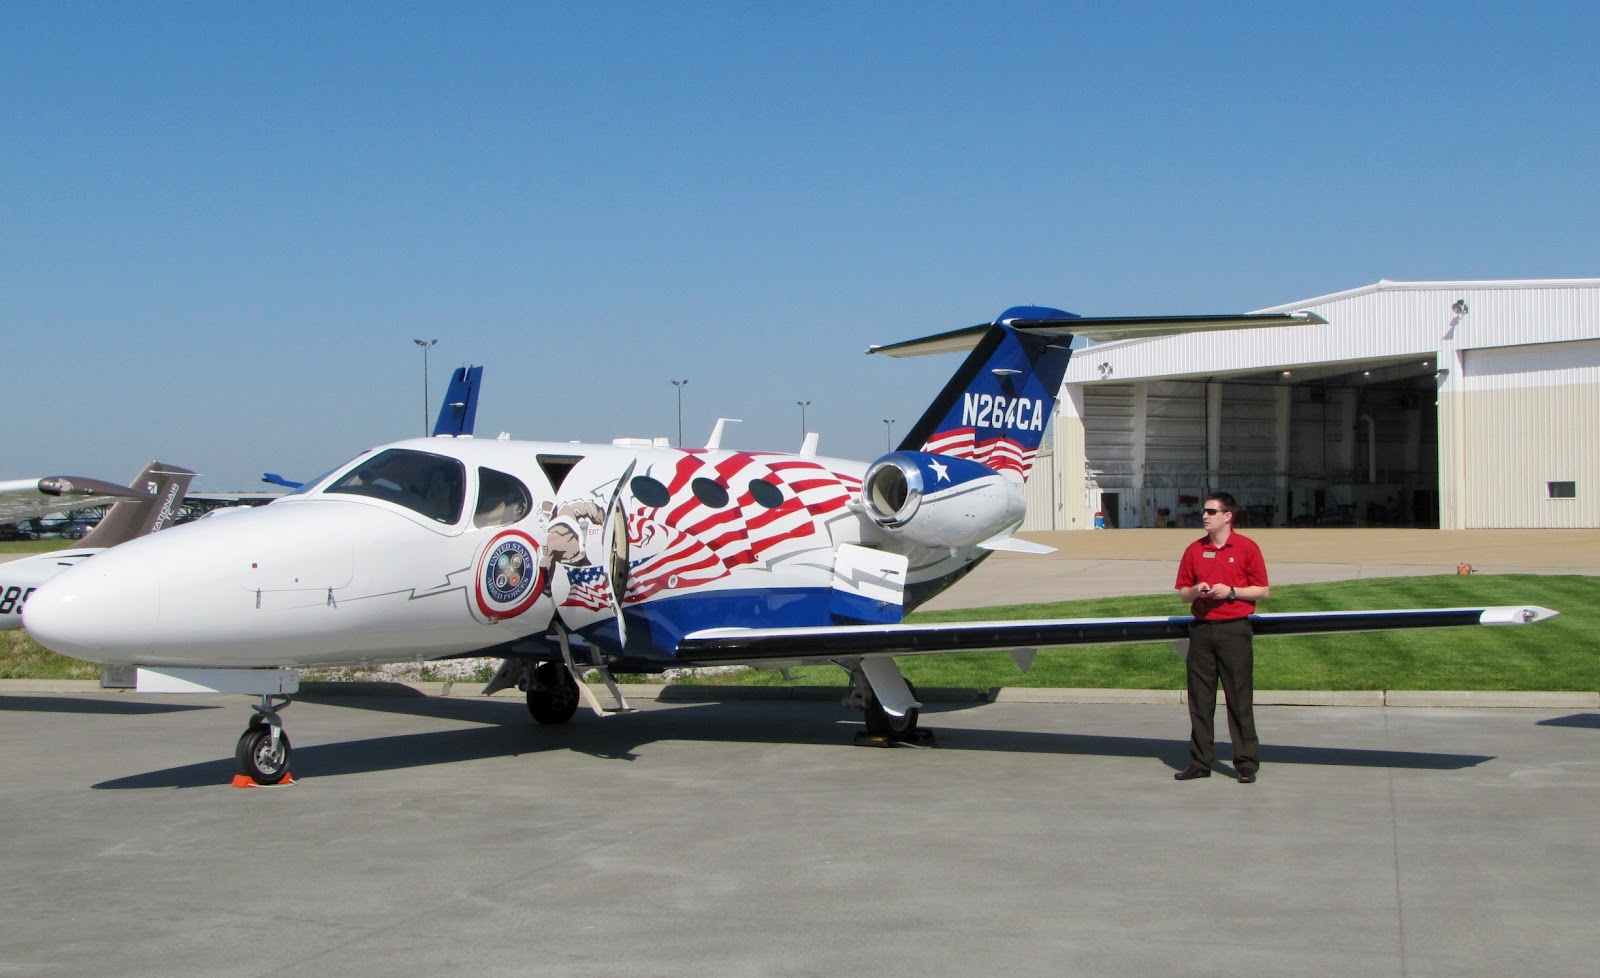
(1222, 649)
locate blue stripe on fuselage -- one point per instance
(656, 627)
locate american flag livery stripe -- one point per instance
(999, 453)
(704, 543)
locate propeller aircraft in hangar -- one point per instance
(559, 557)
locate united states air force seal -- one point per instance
(508, 580)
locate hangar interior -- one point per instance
(1419, 404)
(1335, 445)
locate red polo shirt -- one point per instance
(1237, 563)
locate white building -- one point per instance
(1450, 404)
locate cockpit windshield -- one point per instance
(432, 485)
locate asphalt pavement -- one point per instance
(447, 834)
(434, 836)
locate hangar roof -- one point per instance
(1384, 332)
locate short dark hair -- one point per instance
(1229, 504)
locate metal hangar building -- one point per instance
(1433, 404)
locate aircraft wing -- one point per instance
(22, 499)
(748, 645)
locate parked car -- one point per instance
(18, 531)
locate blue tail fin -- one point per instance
(459, 412)
(995, 409)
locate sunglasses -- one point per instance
(1212, 512)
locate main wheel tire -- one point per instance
(259, 760)
(553, 695)
(880, 723)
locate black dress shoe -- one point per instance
(1247, 777)
(1191, 772)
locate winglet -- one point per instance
(1517, 615)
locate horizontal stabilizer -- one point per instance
(1015, 545)
(1101, 329)
(24, 498)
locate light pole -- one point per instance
(803, 431)
(425, 344)
(680, 385)
(888, 434)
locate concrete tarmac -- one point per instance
(1112, 563)
(443, 835)
(435, 836)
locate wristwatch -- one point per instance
(1233, 592)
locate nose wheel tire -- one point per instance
(553, 694)
(260, 759)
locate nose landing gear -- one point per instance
(264, 751)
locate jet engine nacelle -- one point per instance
(940, 501)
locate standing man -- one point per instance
(1222, 576)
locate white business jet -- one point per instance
(635, 557)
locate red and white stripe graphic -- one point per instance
(694, 543)
(999, 453)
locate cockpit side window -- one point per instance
(502, 499)
(432, 485)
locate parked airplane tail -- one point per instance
(459, 412)
(136, 517)
(997, 406)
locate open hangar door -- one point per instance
(1363, 445)
(1335, 444)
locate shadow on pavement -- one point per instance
(507, 731)
(1590, 720)
(110, 707)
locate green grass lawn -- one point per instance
(32, 546)
(23, 658)
(1563, 654)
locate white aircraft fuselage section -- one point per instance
(367, 566)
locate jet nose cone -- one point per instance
(89, 615)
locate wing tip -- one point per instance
(1516, 615)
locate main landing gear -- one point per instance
(263, 752)
(553, 694)
(889, 702)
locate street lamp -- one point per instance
(680, 385)
(425, 344)
(888, 434)
(803, 431)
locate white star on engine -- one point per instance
(939, 471)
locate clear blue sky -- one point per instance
(222, 225)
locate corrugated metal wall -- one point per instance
(1532, 417)
(1500, 397)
